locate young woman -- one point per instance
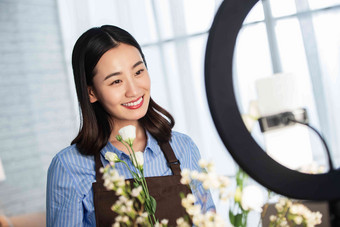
(113, 89)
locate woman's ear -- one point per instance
(92, 95)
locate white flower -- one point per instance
(224, 197)
(188, 201)
(298, 220)
(224, 182)
(279, 207)
(198, 219)
(182, 223)
(144, 215)
(294, 209)
(211, 181)
(202, 163)
(194, 210)
(140, 220)
(194, 174)
(119, 218)
(136, 191)
(185, 173)
(125, 219)
(119, 191)
(139, 158)
(128, 134)
(164, 221)
(202, 177)
(252, 198)
(111, 157)
(272, 218)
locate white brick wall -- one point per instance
(37, 117)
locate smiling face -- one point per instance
(122, 84)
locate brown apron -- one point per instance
(165, 189)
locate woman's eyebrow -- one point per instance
(137, 64)
(111, 75)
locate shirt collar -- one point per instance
(151, 145)
(110, 148)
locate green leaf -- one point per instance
(240, 220)
(150, 205)
(182, 195)
(153, 204)
(231, 218)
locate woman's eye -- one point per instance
(116, 82)
(139, 71)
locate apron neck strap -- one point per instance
(171, 159)
(98, 164)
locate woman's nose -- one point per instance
(132, 88)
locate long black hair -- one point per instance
(95, 126)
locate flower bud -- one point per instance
(139, 158)
(128, 134)
(252, 198)
(111, 157)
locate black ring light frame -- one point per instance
(227, 118)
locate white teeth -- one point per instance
(134, 103)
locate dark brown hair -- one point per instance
(95, 126)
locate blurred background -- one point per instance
(39, 113)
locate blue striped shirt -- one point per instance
(71, 174)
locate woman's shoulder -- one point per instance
(72, 161)
(185, 149)
(178, 137)
(71, 171)
(182, 142)
(72, 154)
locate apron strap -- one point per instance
(171, 159)
(98, 164)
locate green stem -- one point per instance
(129, 169)
(126, 147)
(154, 218)
(131, 156)
(144, 184)
(150, 220)
(140, 171)
(134, 156)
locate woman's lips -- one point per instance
(134, 104)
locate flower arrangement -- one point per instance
(291, 214)
(209, 180)
(135, 205)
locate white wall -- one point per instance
(37, 116)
